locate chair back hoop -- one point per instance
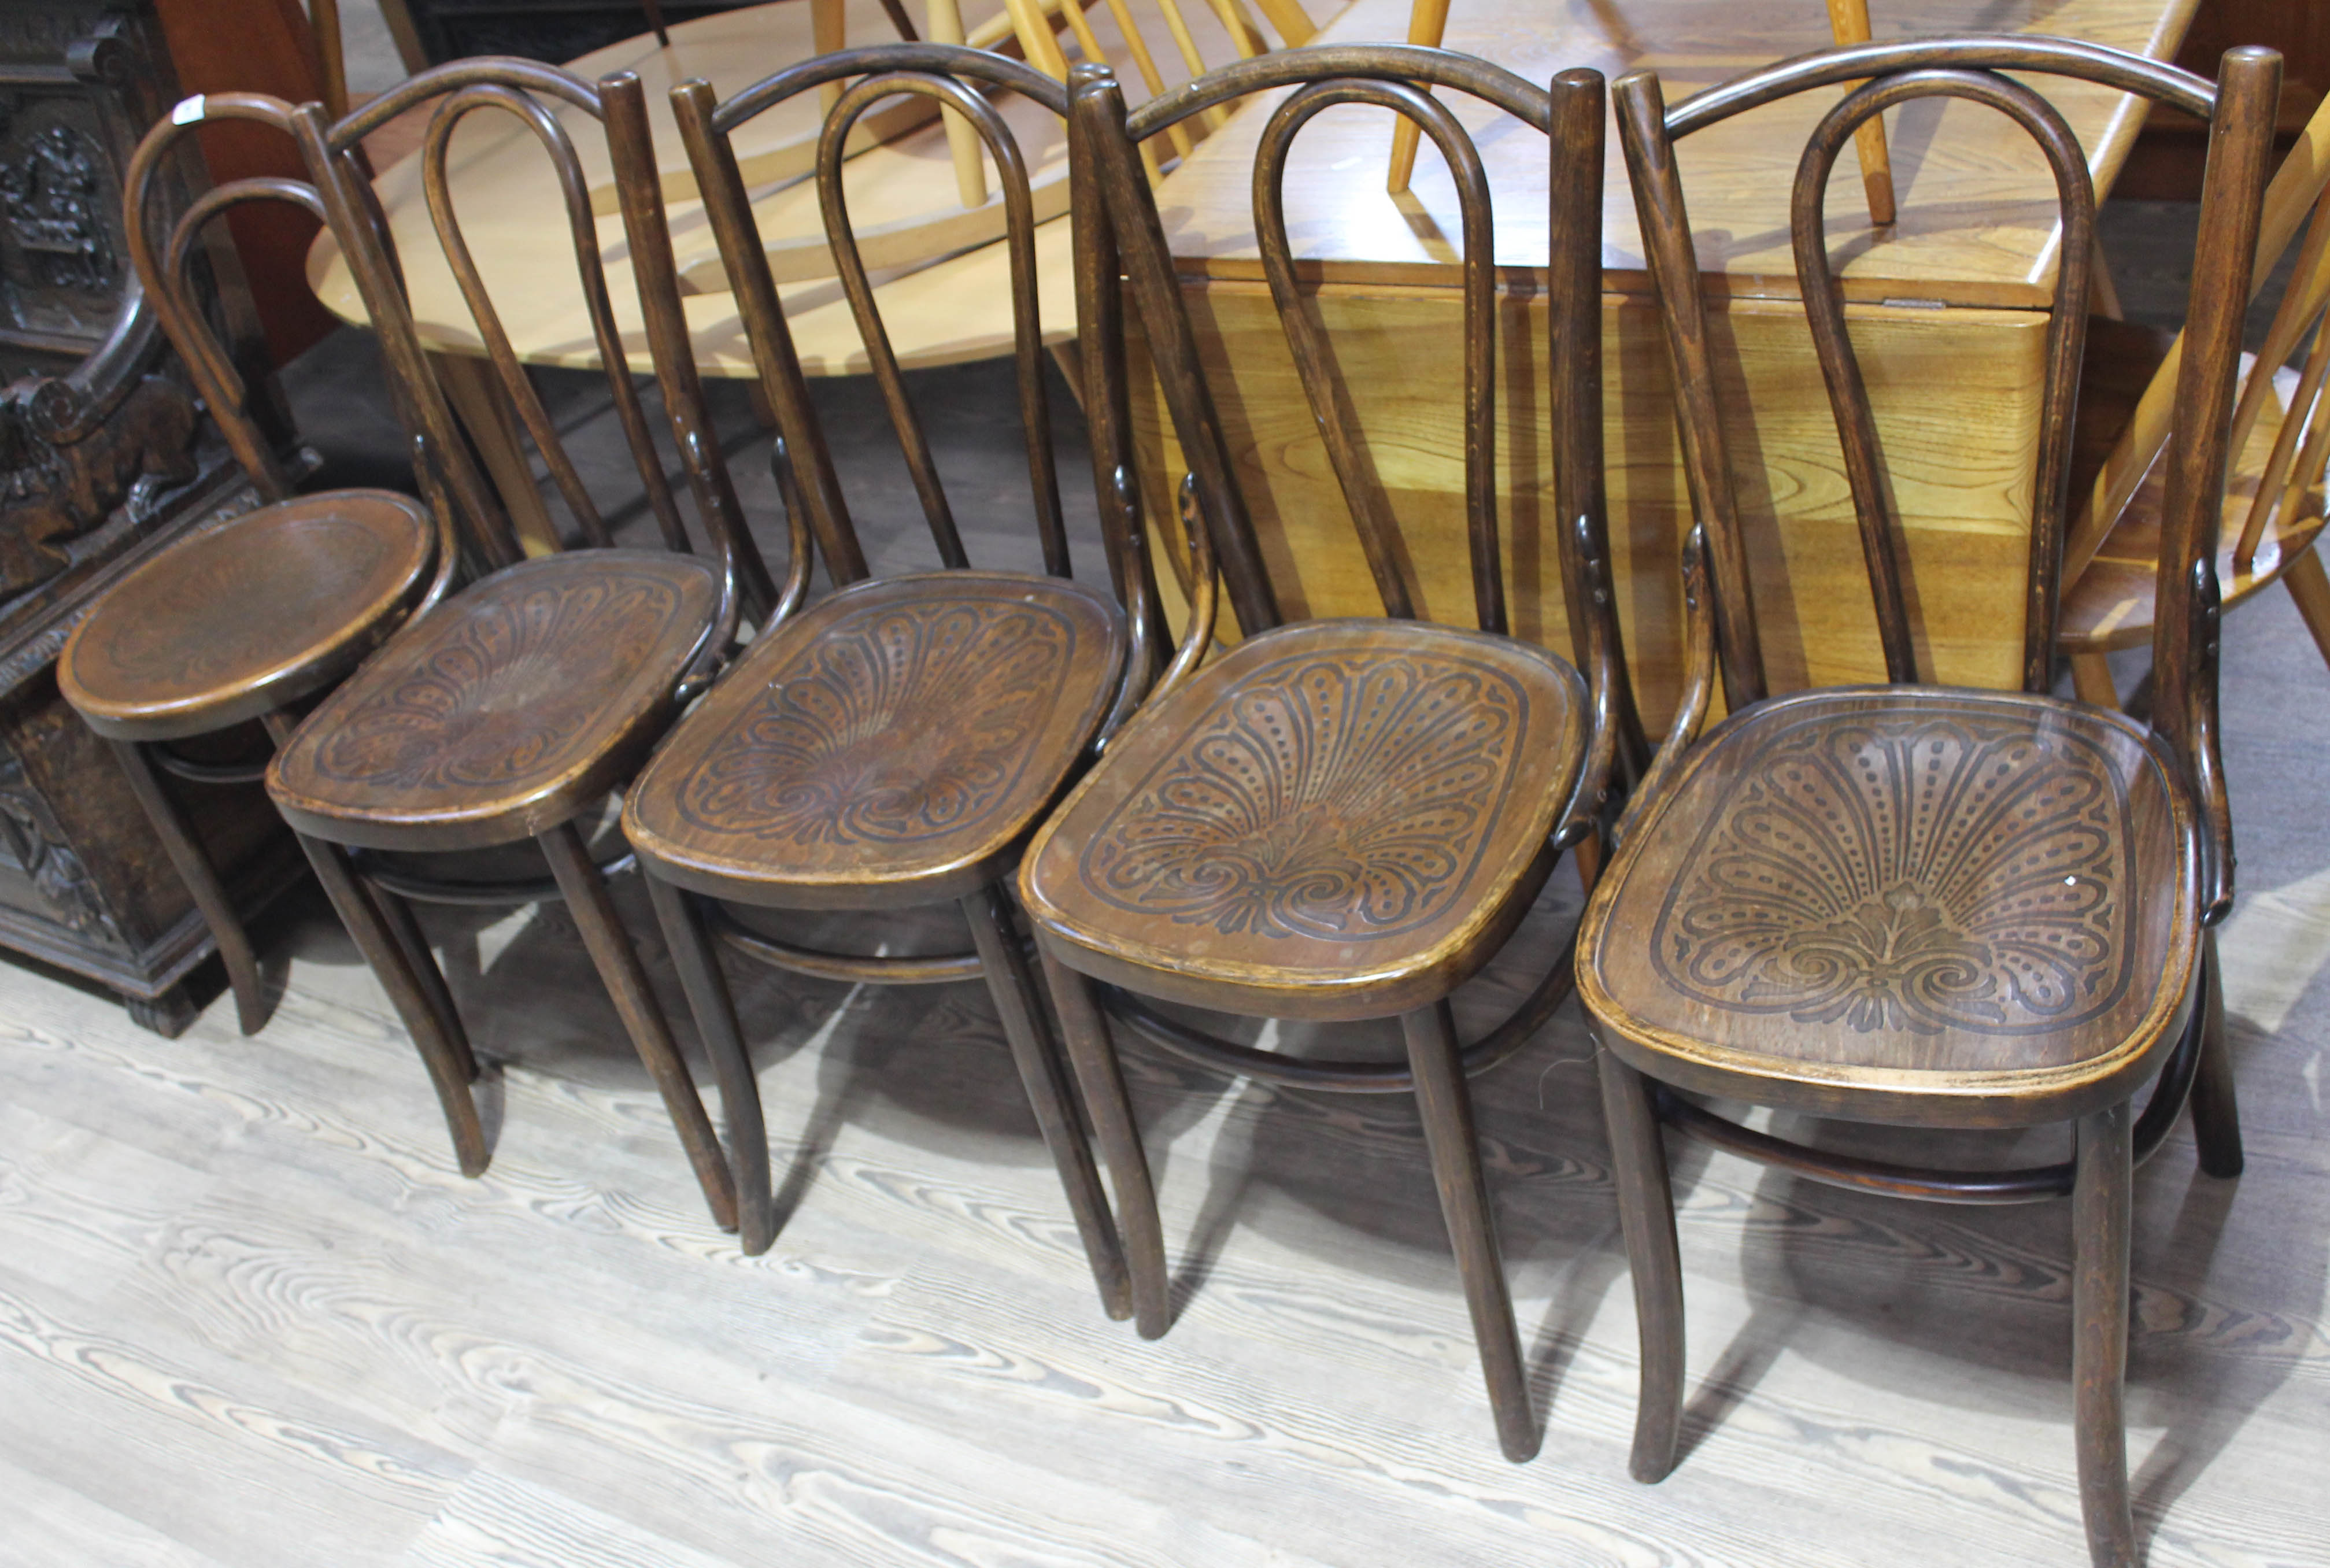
(163, 270)
(519, 89)
(1389, 76)
(944, 72)
(1887, 74)
(1969, 68)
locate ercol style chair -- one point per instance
(893, 745)
(253, 614)
(1915, 905)
(2280, 447)
(1343, 820)
(518, 704)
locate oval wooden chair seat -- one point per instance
(893, 744)
(241, 618)
(505, 710)
(1338, 819)
(1919, 905)
(2109, 607)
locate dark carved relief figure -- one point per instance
(63, 472)
(54, 183)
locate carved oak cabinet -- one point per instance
(105, 458)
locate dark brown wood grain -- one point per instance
(1912, 904)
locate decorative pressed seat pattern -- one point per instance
(1972, 883)
(1343, 798)
(906, 727)
(511, 698)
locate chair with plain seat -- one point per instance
(2273, 512)
(893, 745)
(252, 614)
(520, 703)
(1915, 905)
(1345, 819)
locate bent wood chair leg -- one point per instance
(1638, 1162)
(1046, 1079)
(619, 970)
(1449, 1136)
(708, 997)
(397, 915)
(733, 1063)
(2310, 587)
(2100, 1202)
(202, 879)
(451, 1068)
(2216, 1113)
(1101, 1077)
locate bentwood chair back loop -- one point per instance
(878, 73)
(534, 95)
(1971, 69)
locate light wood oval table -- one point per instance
(1949, 314)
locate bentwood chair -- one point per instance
(893, 745)
(1915, 905)
(253, 614)
(514, 708)
(1344, 819)
(2280, 447)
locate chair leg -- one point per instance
(451, 1067)
(202, 879)
(1028, 1026)
(397, 915)
(1638, 1161)
(1436, 1059)
(2310, 587)
(2216, 1113)
(2091, 678)
(1101, 1078)
(2100, 1200)
(618, 963)
(692, 953)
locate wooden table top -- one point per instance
(1978, 221)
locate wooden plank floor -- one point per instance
(250, 1315)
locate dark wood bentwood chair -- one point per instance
(1915, 905)
(516, 705)
(895, 744)
(253, 614)
(1343, 820)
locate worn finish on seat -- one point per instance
(893, 745)
(1337, 819)
(1909, 903)
(506, 710)
(245, 618)
(1934, 907)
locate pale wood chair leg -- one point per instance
(1638, 1163)
(681, 917)
(2100, 1203)
(194, 866)
(1453, 1142)
(944, 20)
(2091, 679)
(1027, 1027)
(470, 385)
(618, 963)
(829, 32)
(1848, 23)
(2310, 587)
(452, 1066)
(1427, 23)
(1101, 1078)
(2216, 1112)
